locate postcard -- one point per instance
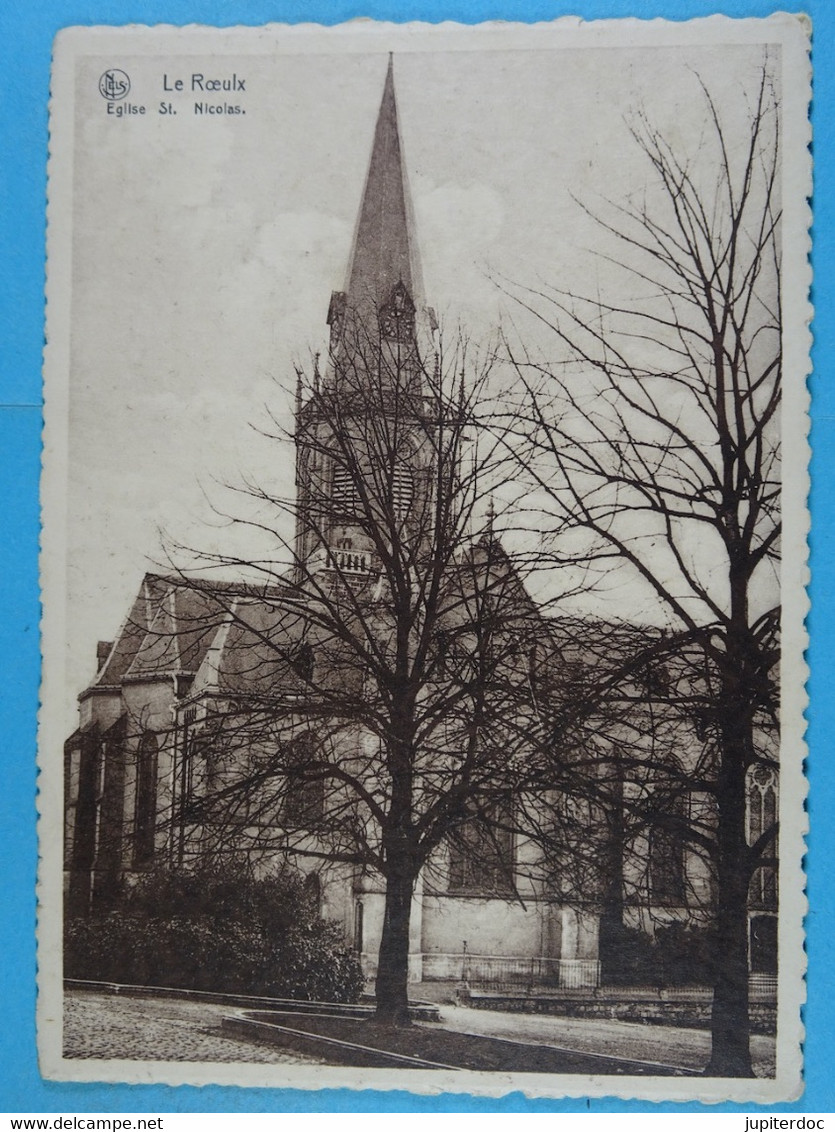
(423, 557)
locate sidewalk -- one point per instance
(145, 1029)
(670, 1046)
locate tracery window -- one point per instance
(313, 892)
(762, 816)
(481, 854)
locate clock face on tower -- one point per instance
(397, 316)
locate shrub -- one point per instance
(627, 957)
(216, 931)
(679, 955)
(685, 954)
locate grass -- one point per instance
(464, 1051)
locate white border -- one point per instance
(792, 33)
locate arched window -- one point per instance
(667, 876)
(145, 813)
(481, 854)
(305, 792)
(762, 816)
(763, 945)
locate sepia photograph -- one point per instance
(424, 557)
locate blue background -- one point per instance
(26, 35)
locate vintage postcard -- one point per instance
(424, 551)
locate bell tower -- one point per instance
(364, 432)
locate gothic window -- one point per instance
(666, 857)
(481, 854)
(305, 794)
(201, 769)
(336, 316)
(762, 816)
(86, 810)
(145, 814)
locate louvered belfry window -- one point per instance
(402, 490)
(344, 495)
(346, 498)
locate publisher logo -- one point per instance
(114, 84)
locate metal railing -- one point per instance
(509, 973)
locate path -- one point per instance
(666, 1045)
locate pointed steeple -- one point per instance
(384, 253)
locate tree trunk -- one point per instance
(393, 963)
(730, 1023)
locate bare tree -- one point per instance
(652, 443)
(372, 702)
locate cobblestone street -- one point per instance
(167, 1029)
(158, 1029)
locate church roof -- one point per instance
(384, 252)
(254, 652)
(170, 628)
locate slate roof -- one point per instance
(171, 625)
(384, 252)
(254, 651)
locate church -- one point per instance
(273, 720)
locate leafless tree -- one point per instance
(365, 717)
(652, 442)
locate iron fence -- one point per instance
(511, 973)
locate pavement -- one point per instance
(168, 1029)
(159, 1029)
(669, 1047)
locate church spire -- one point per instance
(384, 253)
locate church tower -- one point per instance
(364, 433)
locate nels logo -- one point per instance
(114, 84)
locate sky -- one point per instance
(203, 250)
